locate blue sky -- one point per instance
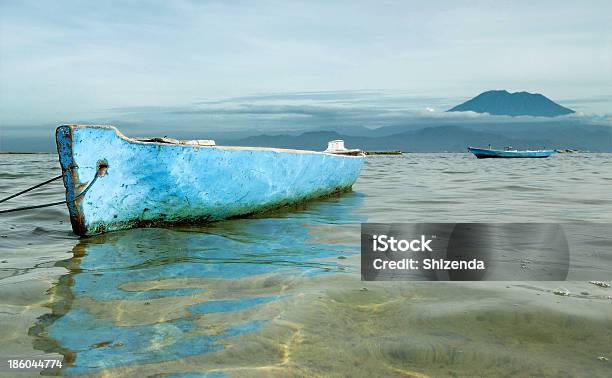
(77, 61)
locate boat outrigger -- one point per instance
(114, 182)
(508, 152)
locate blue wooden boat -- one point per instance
(508, 153)
(114, 182)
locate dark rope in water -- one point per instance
(46, 204)
(31, 188)
(32, 207)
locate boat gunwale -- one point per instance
(228, 148)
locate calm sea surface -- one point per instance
(280, 294)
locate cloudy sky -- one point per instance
(74, 61)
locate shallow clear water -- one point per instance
(280, 294)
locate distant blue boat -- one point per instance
(114, 182)
(508, 153)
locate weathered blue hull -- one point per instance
(114, 182)
(482, 153)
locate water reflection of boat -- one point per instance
(114, 182)
(508, 152)
(148, 296)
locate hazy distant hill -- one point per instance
(503, 102)
(449, 138)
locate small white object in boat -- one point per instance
(337, 147)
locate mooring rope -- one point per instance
(46, 204)
(31, 188)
